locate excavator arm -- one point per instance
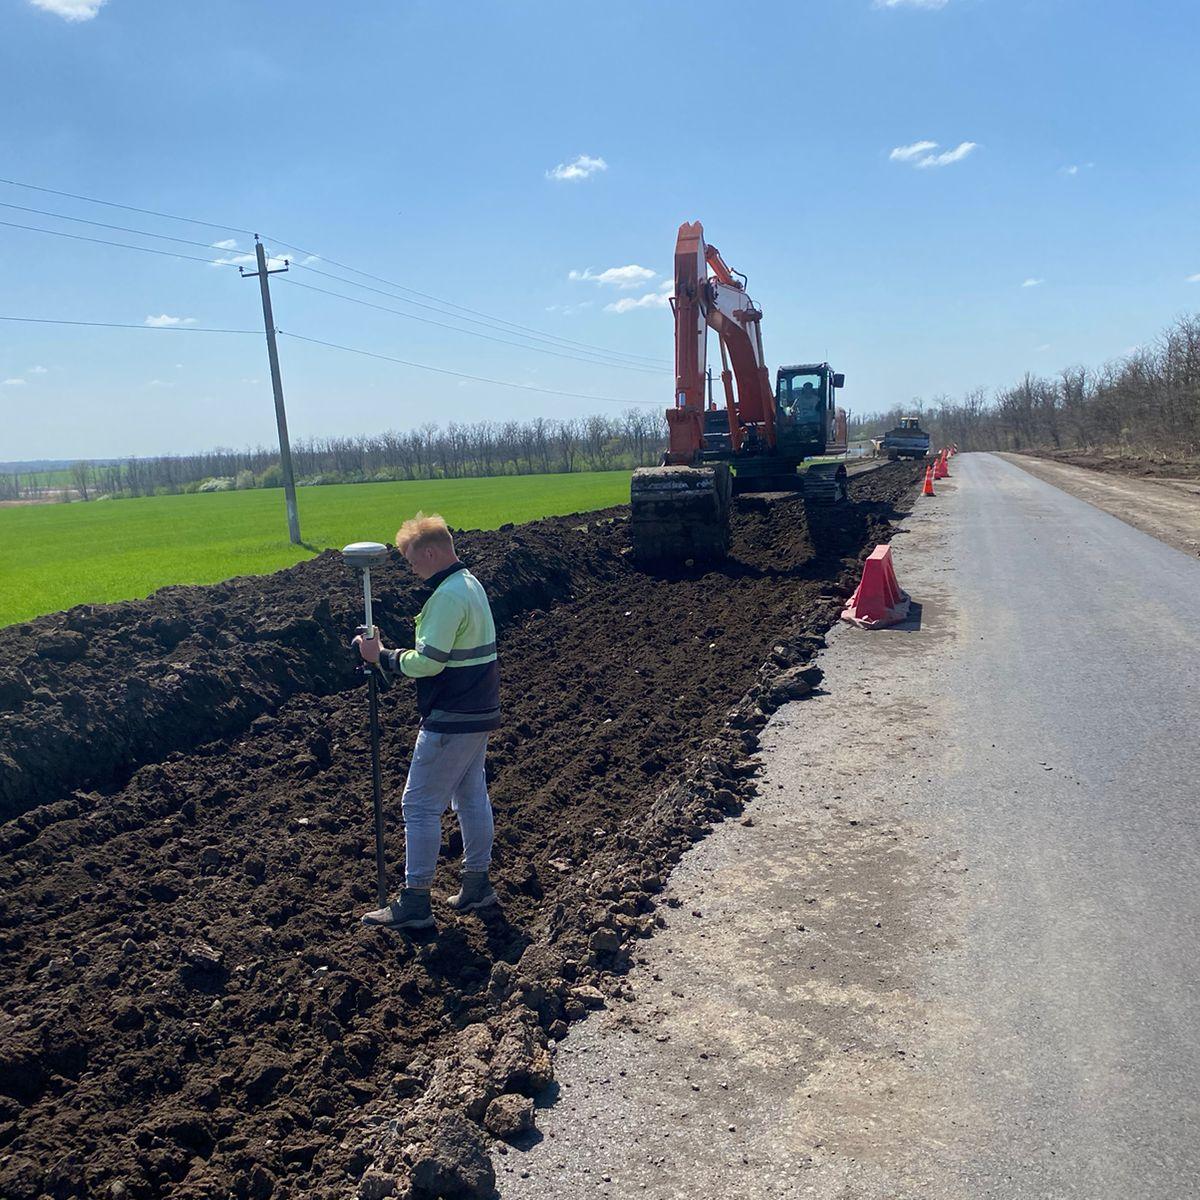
(719, 302)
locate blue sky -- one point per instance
(419, 141)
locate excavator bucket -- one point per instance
(825, 483)
(680, 513)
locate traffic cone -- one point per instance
(878, 599)
(927, 490)
(940, 470)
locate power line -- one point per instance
(79, 237)
(450, 304)
(525, 387)
(146, 212)
(472, 333)
(299, 337)
(121, 325)
(525, 329)
(488, 322)
(163, 237)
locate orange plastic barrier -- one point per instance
(878, 600)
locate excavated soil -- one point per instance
(190, 1006)
(1139, 466)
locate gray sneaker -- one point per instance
(410, 910)
(476, 892)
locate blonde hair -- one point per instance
(421, 531)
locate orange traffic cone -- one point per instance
(927, 490)
(940, 471)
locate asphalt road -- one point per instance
(955, 953)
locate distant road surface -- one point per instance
(957, 953)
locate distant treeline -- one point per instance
(1147, 402)
(540, 446)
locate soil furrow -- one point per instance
(190, 1008)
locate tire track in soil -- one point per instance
(190, 1008)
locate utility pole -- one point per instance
(285, 449)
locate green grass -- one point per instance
(53, 556)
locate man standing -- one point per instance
(458, 693)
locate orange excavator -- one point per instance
(680, 510)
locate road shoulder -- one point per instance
(1166, 509)
(782, 1022)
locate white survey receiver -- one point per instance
(362, 556)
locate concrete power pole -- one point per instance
(285, 449)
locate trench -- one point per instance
(190, 1007)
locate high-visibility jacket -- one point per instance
(454, 662)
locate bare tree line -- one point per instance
(540, 446)
(1147, 402)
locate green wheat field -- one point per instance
(53, 556)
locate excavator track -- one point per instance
(680, 514)
(825, 483)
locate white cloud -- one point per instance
(911, 3)
(908, 153)
(70, 10)
(920, 154)
(1031, 282)
(1042, 348)
(583, 167)
(568, 310)
(164, 322)
(948, 156)
(659, 298)
(226, 244)
(274, 261)
(13, 383)
(37, 371)
(630, 276)
(1075, 168)
(1193, 278)
(159, 383)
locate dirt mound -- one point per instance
(93, 693)
(190, 1008)
(1140, 466)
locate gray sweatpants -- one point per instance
(446, 768)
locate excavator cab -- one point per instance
(805, 412)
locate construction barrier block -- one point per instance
(878, 600)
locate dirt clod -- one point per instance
(509, 1115)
